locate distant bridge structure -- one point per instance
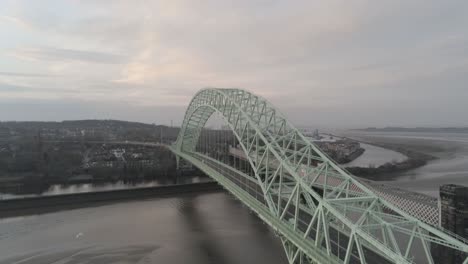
(321, 213)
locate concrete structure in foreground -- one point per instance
(454, 218)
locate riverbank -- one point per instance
(52, 203)
(391, 169)
(341, 150)
(450, 165)
(17, 187)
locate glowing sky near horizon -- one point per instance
(323, 63)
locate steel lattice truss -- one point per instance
(423, 207)
(304, 196)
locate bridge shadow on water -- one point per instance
(202, 237)
(217, 244)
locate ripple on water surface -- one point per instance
(203, 228)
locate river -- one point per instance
(451, 165)
(202, 228)
(375, 156)
(197, 228)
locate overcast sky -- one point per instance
(323, 63)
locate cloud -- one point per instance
(60, 54)
(11, 89)
(16, 21)
(22, 74)
(5, 87)
(331, 57)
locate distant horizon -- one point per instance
(297, 125)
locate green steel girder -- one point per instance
(293, 166)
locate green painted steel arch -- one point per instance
(231, 105)
(287, 167)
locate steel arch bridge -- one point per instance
(321, 213)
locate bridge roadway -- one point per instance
(339, 239)
(351, 207)
(421, 206)
(418, 205)
(338, 236)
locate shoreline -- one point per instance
(354, 155)
(390, 170)
(40, 187)
(52, 203)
